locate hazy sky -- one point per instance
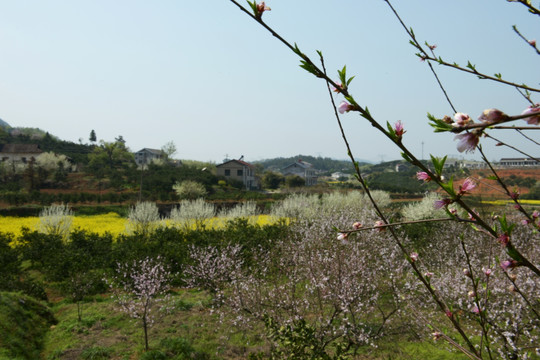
(204, 75)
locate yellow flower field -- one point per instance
(111, 223)
(504, 202)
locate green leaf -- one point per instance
(471, 66)
(309, 67)
(438, 164)
(438, 124)
(406, 157)
(391, 131)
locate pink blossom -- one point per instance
(525, 222)
(261, 7)
(503, 239)
(514, 195)
(471, 216)
(508, 264)
(414, 256)
(467, 142)
(487, 271)
(461, 119)
(356, 225)
(492, 116)
(532, 110)
(449, 313)
(439, 204)
(535, 214)
(476, 310)
(422, 175)
(398, 128)
(532, 42)
(468, 185)
(337, 89)
(428, 274)
(344, 107)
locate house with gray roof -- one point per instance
(303, 169)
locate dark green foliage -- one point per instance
(23, 324)
(400, 182)
(272, 180)
(299, 340)
(9, 263)
(514, 180)
(294, 181)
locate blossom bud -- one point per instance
(487, 272)
(532, 42)
(533, 110)
(471, 294)
(436, 335)
(461, 119)
(468, 185)
(414, 256)
(492, 116)
(512, 288)
(503, 239)
(399, 129)
(423, 176)
(379, 224)
(466, 272)
(344, 107)
(428, 274)
(342, 236)
(512, 277)
(356, 225)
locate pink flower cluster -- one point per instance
(533, 110)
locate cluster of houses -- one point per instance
(238, 170)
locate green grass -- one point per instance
(189, 331)
(24, 322)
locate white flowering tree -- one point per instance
(56, 220)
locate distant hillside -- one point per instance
(4, 124)
(323, 164)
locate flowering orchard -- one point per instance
(473, 286)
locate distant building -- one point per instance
(303, 169)
(518, 162)
(239, 170)
(22, 153)
(146, 156)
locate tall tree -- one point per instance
(93, 137)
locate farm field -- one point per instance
(108, 223)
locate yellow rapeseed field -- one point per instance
(111, 223)
(504, 202)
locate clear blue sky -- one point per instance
(205, 76)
